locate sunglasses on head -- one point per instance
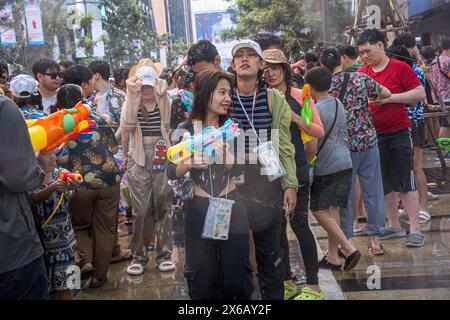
(54, 75)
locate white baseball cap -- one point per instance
(147, 75)
(247, 43)
(24, 86)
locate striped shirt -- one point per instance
(260, 116)
(150, 126)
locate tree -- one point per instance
(297, 22)
(176, 49)
(129, 34)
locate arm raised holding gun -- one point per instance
(202, 142)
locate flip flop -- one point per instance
(375, 252)
(352, 260)
(125, 257)
(98, 284)
(324, 264)
(87, 272)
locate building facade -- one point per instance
(430, 20)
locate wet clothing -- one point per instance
(398, 77)
(360, 87)
(259, 115)
(20, 172)
(335, 154)
(58, 237)
(216, 269)
(201, 178)
(94, 159)
(150, 125)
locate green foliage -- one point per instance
(297, 22)
(126, 22)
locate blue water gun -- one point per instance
(202, 142)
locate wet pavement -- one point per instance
(404, 273)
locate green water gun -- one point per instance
(306, 112)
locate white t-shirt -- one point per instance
(102, 107)
(47, 102)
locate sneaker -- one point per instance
(415, 239)
(389, 234)
(290, 290)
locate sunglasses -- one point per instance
(54, 75)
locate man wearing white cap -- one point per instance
(260, 110)
(145, 124)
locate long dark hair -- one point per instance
(205, 84)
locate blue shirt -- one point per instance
(416, 113)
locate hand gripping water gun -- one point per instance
(56, 129)
(202, 142)
(75, 176)
(444, 144)
(64, 176)
(306, 112)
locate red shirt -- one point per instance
(398, 77)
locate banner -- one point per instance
(97, 34)
(7, 34)
(34, 22)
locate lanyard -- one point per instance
(245, 111)
(210, 181)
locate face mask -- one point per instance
(187, 98)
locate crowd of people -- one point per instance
(362, 142)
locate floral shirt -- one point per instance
(361, 130)
(416, 113)
(94, 159)
(441, 82)
(111, 104)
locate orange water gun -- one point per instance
(54, 130)
(75, 176)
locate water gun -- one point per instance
(75, 176)
(444, 144)
(56, 129)
(306, 112)
(202, 142)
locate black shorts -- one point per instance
(418, 134)
(443, 122)
(396, 157)
(331, 190)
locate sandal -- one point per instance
(375, 252)
(87, 270)
(324, 264)
(123, 256)
(166, 266)
(309, 294)
(98, 284)
(136, 268)
(352, 260)
(290, 290)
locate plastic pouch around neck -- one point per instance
(267, 155)
(218, 216)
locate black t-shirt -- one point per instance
(300, 154)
